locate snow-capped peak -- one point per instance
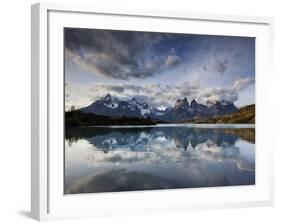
(110, 102)
(133, 100)
(107, 97)
(144, 108)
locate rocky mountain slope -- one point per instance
(181, 111)
(245, 115)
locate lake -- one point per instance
(131, 158)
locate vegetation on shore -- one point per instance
(245, 115)
(247, 134)
(76, 118)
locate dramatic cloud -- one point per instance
(157, 68)
(241, 84)
(229, 94)
(161, 95)
(216, 65)
(119, 54)
(221, 66)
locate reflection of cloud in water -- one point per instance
(119, 180)
(202, 152)
(157, 158)
(245, 165)
(124, 180)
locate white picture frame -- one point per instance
(47, 200)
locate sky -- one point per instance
(157, 68)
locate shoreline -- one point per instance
(211, 126)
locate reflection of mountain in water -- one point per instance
(139, 139)
(146, 158)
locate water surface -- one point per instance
(110, 159)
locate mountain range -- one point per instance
(180, 111)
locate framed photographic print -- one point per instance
(145, 111)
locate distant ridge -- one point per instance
(245, 115)
(181, 111)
